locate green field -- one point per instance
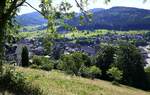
(31, 35)
(80, 34)
(101, 33)
(58, 83)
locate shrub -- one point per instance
(84, 71)
(115, 73)
(15, 82)
(60, 65)
(72, 63)
(147, 69)
(42, 63)
(47, 67)
(68, 65)
(37, 60)
(94, 70)
(34, 66)
(90, 72)
(25, 57)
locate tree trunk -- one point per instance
(2, 41)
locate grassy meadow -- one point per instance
(87, 34)
(79, 34)
(58, 83)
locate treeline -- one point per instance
(120, 64)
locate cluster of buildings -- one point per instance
(65, 45)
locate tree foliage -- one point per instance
(115, 73)
(72, 63)
(25, 57)
(43, 63)
(104, 59)
(91, 72)
(130, 61)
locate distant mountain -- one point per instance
(96, 10)
(31, 19)
(117, 18)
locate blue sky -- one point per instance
(92, 4)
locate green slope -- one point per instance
(58, 83)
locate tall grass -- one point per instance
(58, 83)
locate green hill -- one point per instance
(58, 83)
(115, 18)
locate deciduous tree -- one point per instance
(130, 61)
(104, 59)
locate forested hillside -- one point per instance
(116, 18)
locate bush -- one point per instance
(15, 82)
(94, 70)
(37, 60)
(147, 69)
(34, 66)
(115, 73)
(42, 63)
(90, 72)
(47, 67)
(72, 63)
(25, 57)
(68, 65)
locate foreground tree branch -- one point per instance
(82, 10)
(34, 8)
